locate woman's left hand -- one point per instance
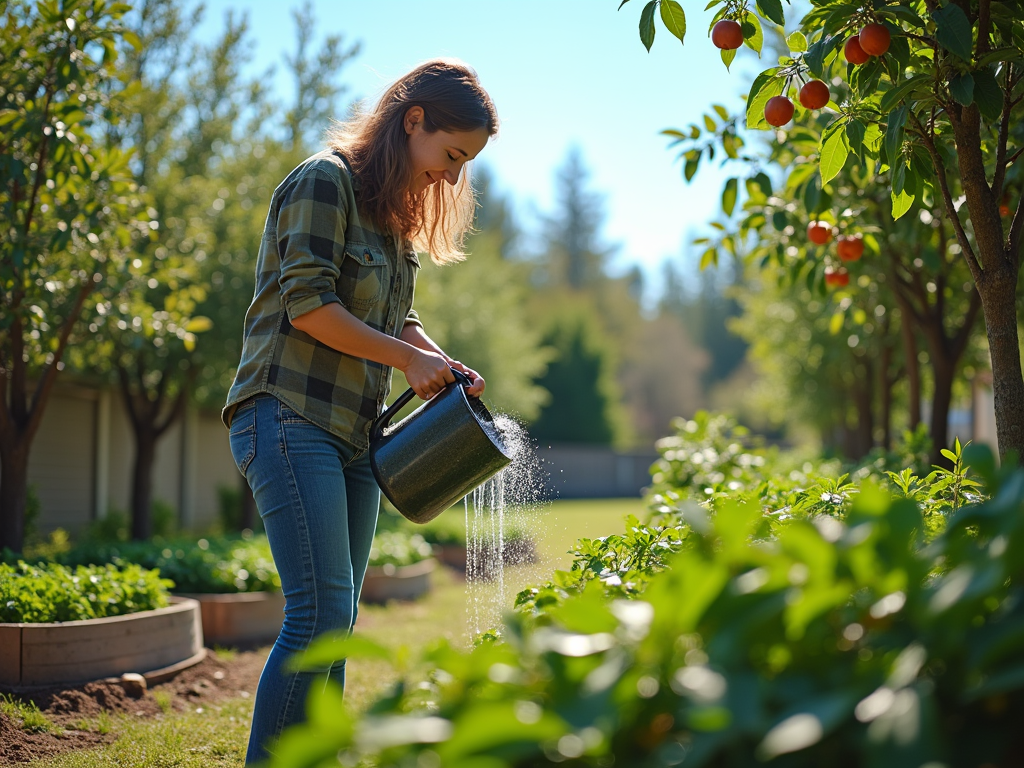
(477, 387)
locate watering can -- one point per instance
(438, 453)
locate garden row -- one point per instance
(102, 608)
(769, 609)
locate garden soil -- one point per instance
(73, 710)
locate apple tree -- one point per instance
(841, 238)
(933, 113)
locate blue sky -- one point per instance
(561, 73)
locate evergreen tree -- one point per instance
(574, 256)
(580, 380)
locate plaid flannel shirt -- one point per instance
(317, 250)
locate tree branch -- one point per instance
(19, 375)
(1004, 137)
(126, 392)
(959, 341)
(40, 162)
(1013, 239)
(45, 385)
(984, 25)
(179, 403)
(947, 197)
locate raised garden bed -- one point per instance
(242, 618)
(397, 582)
(145, 642)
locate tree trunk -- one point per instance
(943, 371)
(142, 484)
(885, 395)
(995, 267)
(998, 301)
(913, 364)
(13, 493)
(863, 401)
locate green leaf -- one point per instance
(772, 9)
(709, 123)
(855, 132)
(988, 95)
(690, 168)
(132, 39)
(894, 96)
(1002, 54)
(721, 111)
(953, 30)
(899, 176)
(764, 182)
(709, 257)
(812, 194)
(899, 52)
(894, 134)
(199, 324)
(901, 203)
(622, 4)
(674, 18)
(335, 646)
(902, 13)
(834, 150)
(753, 36)
(728, 57)
(647, 25)
(765, 86)
(835, 323)
(797, 42)
(961, 88)
(729, 196)
(817, 53)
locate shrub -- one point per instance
(397, 548)
(54, 592)
(214, 565)
(838, 633)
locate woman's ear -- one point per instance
(413, 117)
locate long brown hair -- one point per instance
(375, 145)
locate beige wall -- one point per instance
(81, 461)
(61, 464)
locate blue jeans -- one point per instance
(318, 500)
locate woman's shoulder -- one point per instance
(328, 163)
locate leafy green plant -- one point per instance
(825, 639)
(398, 548)
(447, 528)
(207, 565)
(50, 592)
(707, 453)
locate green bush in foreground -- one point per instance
(53, 592)
(841, 633)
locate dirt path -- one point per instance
(74, 710)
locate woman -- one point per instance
(331, 317)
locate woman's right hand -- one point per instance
(427, 373)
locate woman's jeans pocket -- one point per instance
(242, 434)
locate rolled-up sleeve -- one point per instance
(413, 319)
(311, 223)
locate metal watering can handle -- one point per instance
(382, 421)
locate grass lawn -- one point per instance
(216, 735)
